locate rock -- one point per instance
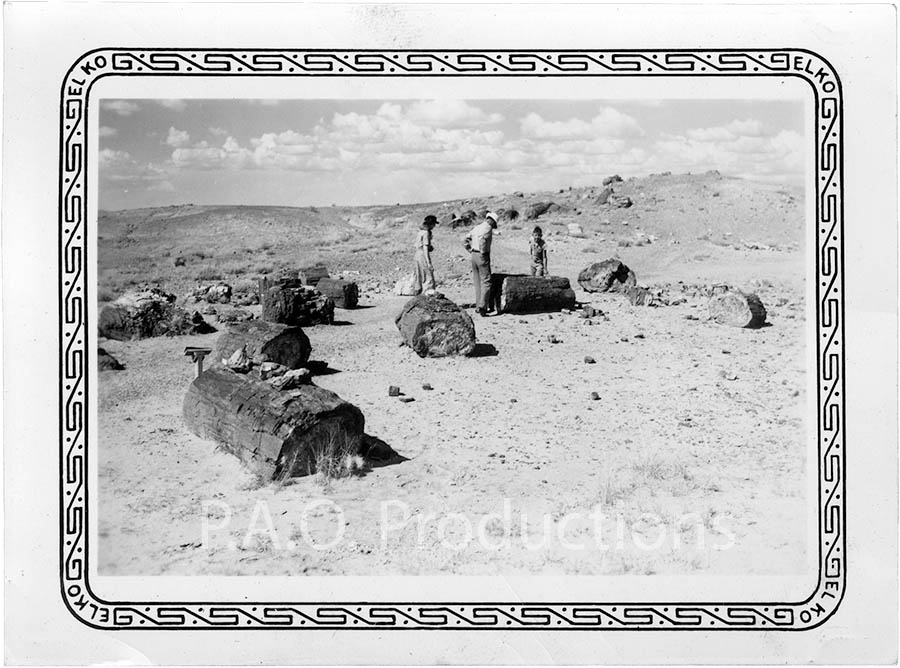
(552, 338)
(607, 276)
(290, 302)
(393, 391)
(620, 201)
(291, 379)
(427, 386)
(139, 315)
(518, 193)
(239, 362)
(271, 370)
(603, 197)
(106, 362)
(246, 299)
(265, 342)
(280, 434)
(538, 209)
(406, 400)
(589, 360)
(433, 326)
(737, 309)
(639, 336)
(590, 312)
(517, 293)
(595, 396)
(313, 274)
(575, 230)
(232, 315)
(615, 178)
(345, 294)
(639, 296)
(406, 286)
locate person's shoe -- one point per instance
(481, 312)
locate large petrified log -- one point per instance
(280, 434)
(139, 315)
(433, 326)
(607, 276)
(518, 293)
(264, 342)
(344, 294)
(290, 302)
(737, 309)
(313, 274)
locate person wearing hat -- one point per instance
(424, 269)
(478, 241)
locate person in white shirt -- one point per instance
(478, 241)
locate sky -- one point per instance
(359, 152)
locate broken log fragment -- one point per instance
(279, 434)
(312, 275)
(737, 309)
(290, 302)
(433, 326)
(264, 342)
(344, 294)
(518, 293)
(607, 276)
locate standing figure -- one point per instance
(424, 270)
(538, 251)
(478, 242)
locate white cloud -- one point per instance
(177, 138)
(120, 107)
(106, 131)
(450, 114)
(218, 132)
(174, 105)
(608, 122)
(122, 170)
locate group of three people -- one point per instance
(478, 243)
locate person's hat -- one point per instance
(492, 216)
(430, 220)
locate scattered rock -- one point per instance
(728, 375)
(406, 400)
(589, 360)
(345, 294)
(595, 396)
(393, 391)
(406, 286)
(433, 326)
(239, 361)
(290, 302)
(639, 336)
(232, 315)
(291, 379)
(153, 312)
(620, 201)
(607, 276)
(313, 274)
(265, 342)
(737, 309)
(106, 362)
(552, 338)
(427, 386)
(604, 195)
(615, 178)
(271, 369)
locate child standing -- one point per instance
(538, 249)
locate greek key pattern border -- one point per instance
(609, 616)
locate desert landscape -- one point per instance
(646, 411)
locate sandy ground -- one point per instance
(695, 447)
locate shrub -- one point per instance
(209, 274)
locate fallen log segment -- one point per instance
(290, 302)
(433, 326)
(344, 294)
(264, 342)
(737, 309)
(278, 434)
(607, 276)
(518, 293)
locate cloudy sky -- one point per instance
(319, 152)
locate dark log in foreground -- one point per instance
(265, 342)
(737, 309)
(344, 294)
(291, 302)
(279, 434)
(607, 276)
(518, 293)
(433, 326)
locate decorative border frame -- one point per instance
(809, 613)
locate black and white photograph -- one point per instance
(546, 336)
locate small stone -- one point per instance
(552, 338)
(271, 369)
(589, 360)
(726, 352)
(639, 336)
(624, 339)
(406, 400)
(513, 400)
(393, 391)
(291, 379)
(427, 386)
(595, 396)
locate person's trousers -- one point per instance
(481, 278)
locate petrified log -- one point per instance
(312, 275)
(607, 276)
(280, 434)
(290, 302)
(106, 362)
(264, 342)
(433, 326)
(344, 294)
(139, 315)
(517, 293)
(737, 309)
